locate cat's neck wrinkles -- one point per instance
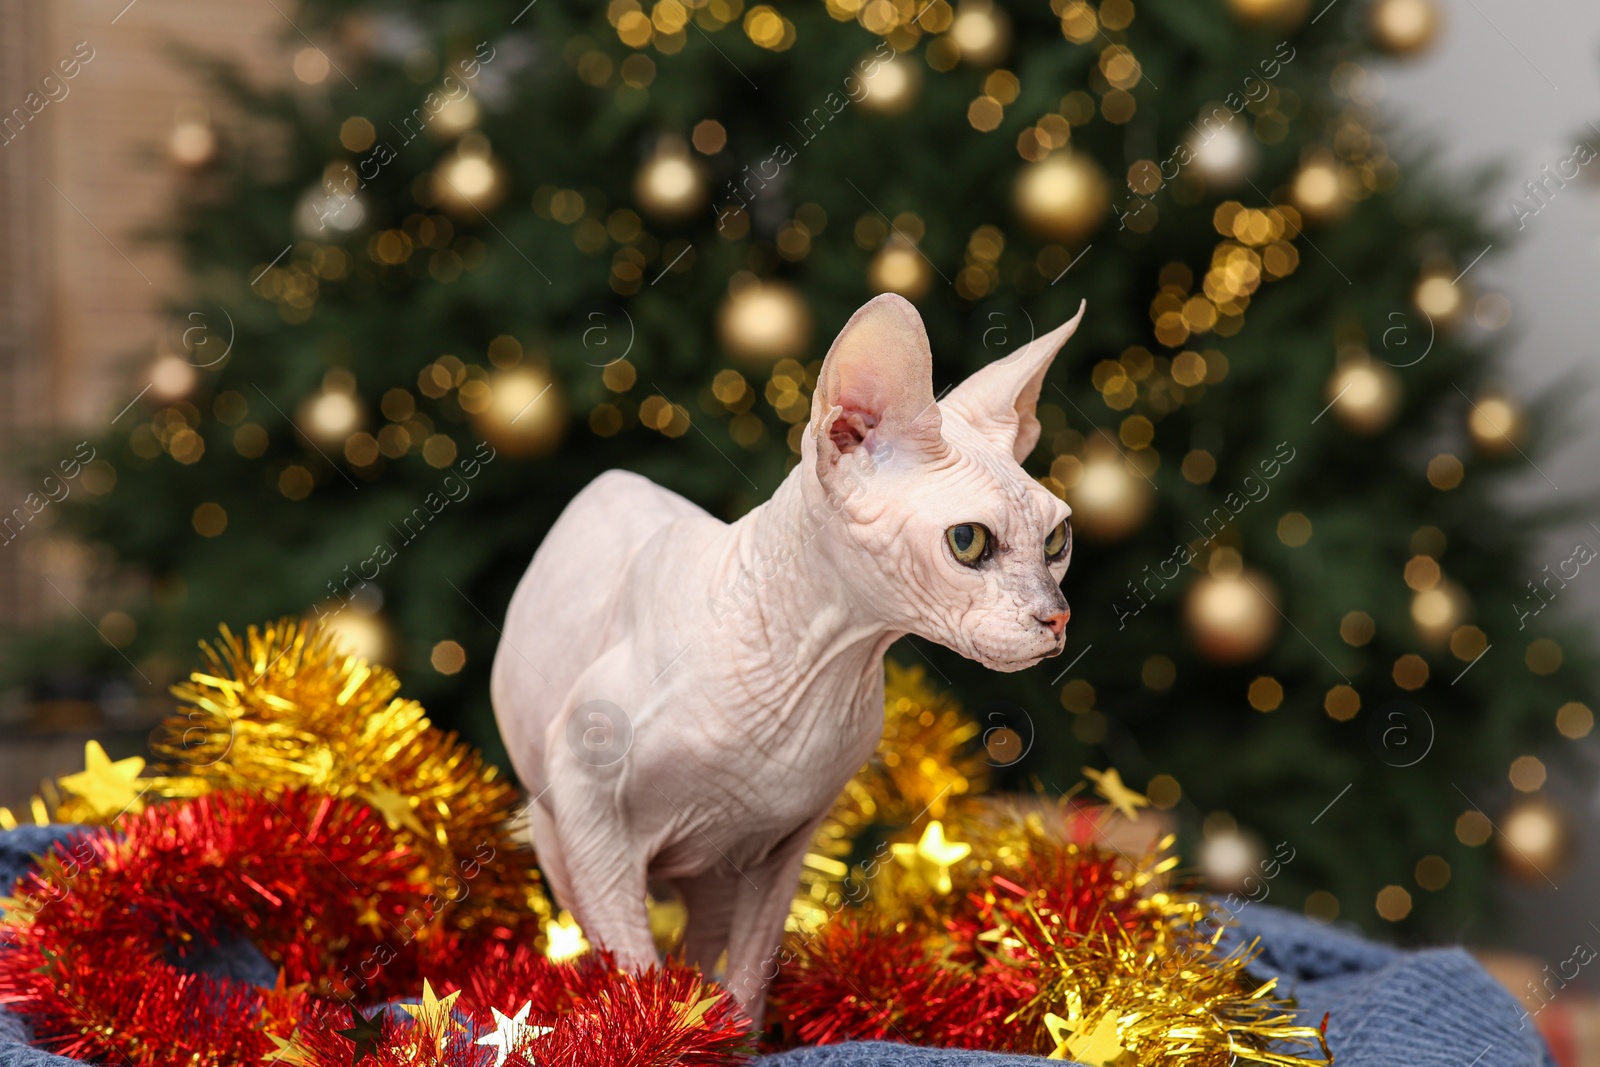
(804, 621)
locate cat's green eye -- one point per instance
(969, 541)
(1057, 542)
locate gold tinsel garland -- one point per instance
(1179, 995)
(1013, 894)
(284, 707)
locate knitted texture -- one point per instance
(1434, 1008)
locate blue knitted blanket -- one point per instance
(1434, 1008)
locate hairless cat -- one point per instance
(684, 698)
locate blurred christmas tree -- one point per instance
(480, 251)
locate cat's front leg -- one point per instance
(760, 912)
(603, 866)
(586, 824)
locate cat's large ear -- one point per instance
(999, 400)
(876, 387)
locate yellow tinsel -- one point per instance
(1187, 1003)
(1177, 996)
(282, 708)
(1158, 988)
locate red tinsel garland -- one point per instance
(323, 889)
(874, 975)
(599, 1019)
(310, 880)
(866, 977)
(597, 1015)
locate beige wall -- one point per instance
(80, 294)
(1516, 83)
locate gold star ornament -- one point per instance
(1093, 1046)
(933, 856)
(1108, 783)
(694, 1011)
(564, 939)
(109, 788)
(289, 1052)
(394, 807)
(433, 1016)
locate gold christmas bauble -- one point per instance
(526, 414)
(764, 321)
(1317, 192)
(192, 143)
(1109, 499)
(1278, 12)
(900, 268)
(455, 117)
(1228, 858)
(1232, 618)
(1436, 612)
(330, 415)
(1496, 424)
(1225, 155)
(172, 377)
(982, 33)
(1439, 297)
(469, 180)
(670, 186)
(1404, 26)
(1534, 840)
(1364, 395)
(893, 86)
(1063, 197)
(359, 631)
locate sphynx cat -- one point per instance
(684, 698)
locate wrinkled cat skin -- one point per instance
(684, 698)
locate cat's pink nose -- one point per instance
(1057, 622)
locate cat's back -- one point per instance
(621, 510)
(562, 616)
(556, 623)
(588, 549)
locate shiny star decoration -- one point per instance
(370, 917)
(563, 938)
(433, 1015)
(1108, 783)
(511, 1032)
(110, 788)
(694, 1012)
(364, 1032)
(394, 807)
(282, 987)
(290, 1052)
(933, 856)
(1001, 936)
(1095, 1046)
